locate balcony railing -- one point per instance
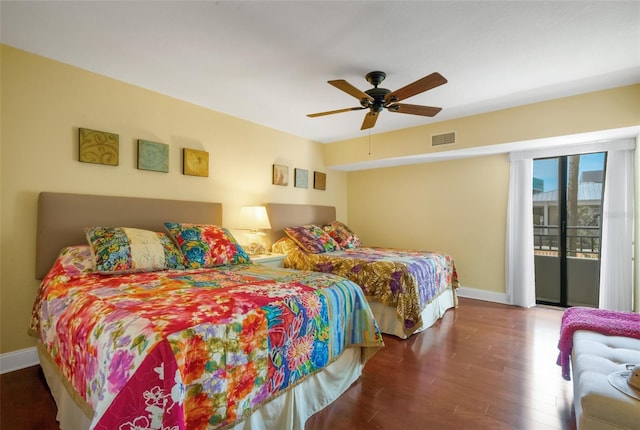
(582, 241)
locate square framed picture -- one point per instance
(280, 175)
(98, 147)
(301, 178)
(153, 156)
(195, 162)
(319, 180)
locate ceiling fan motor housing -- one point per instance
(378, 95)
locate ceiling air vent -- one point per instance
(443, 139)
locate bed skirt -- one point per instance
(290, 410)
(389, 323)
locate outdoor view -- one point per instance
(567, 192)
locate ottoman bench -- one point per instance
(598, 404)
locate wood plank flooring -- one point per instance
(483, 366)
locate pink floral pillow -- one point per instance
(342, 234)
(312, 239)
(206, 245)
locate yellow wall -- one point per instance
(460, 206)
(43, 104)
(457, 207)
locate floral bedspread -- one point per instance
(405, 279)
(194, 349)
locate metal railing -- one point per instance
(582, 241)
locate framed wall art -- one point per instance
(301, 178)
(280, 175)
(195, 162)
(98, 147)
(153, 156)
(319, 180)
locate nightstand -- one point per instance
(273, 260)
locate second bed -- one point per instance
(408, 290)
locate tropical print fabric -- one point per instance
(342, 234)
(405, 279)
(126, 250)
(206, 245)
(312, 239)
(76, 260)
(194, 349)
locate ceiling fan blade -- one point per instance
(421, 85)
(414, 109)
(345, 86)
(331, 112)
(369, 120)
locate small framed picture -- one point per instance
(195, 162)
(319, 180)
(301, 178)
(280, 175)
(98, 147)
(153, 156)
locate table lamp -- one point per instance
(254, 219)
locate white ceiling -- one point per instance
(269, 61)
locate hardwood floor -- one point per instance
(483, 366)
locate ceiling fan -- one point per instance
(376, 99)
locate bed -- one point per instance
(408, 290)
(186, 339)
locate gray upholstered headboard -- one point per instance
(63, 216)
(291, 215)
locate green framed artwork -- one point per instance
(301, 178)
(98, 147)
(319, 180)
(153, 156)
(195, 162)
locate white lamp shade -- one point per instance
(253, 218)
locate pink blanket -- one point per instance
(610, 323)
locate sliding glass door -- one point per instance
(567, 214)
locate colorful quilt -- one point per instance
(196, 349)
(405, 279)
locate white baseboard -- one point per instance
(487, 296)
(16, 360)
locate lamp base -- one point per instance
(256, 243)
(255, 249)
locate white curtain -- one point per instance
(519, 248)
(616, 270)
